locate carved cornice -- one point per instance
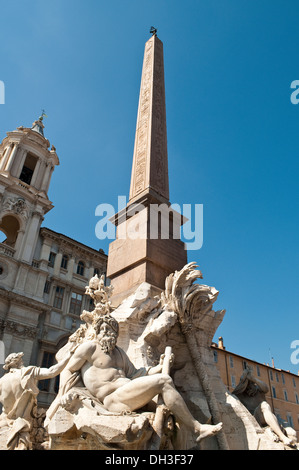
(15, 328)
(24, 301)
(77, 249)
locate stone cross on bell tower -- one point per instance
(153, 255)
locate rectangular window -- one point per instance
(64, 262)
(296, 398)
(52, 257)
(258, 370)
(215, 356)
(59, 292)
(282, 378)
(290, 420)
(76, 303)
(277, 377)
(294, 382)
(285, 394)
(80, 268)
(273, 392)
(277, 414)
(47, 287)
(233, 381)
(231, 361)
(271, 375)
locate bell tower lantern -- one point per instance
(26, 167)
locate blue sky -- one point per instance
(232, 134)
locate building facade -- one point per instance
(283, 394)
(43, 274)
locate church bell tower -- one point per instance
(26, 167)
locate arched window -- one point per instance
(64, 261)
(80, 268)
(9, 230)
(28, 169)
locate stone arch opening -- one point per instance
(28, 168)
(9, 228)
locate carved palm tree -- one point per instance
(193, 304)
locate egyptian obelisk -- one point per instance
(134, 259)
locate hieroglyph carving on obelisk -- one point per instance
(150, 165)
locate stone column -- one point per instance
(40, 175)
(31, 238)
(18, 243)
(57, 264)
(6, 156)
(70, 268)
(19, 163)
(45, 253)
(46, 179)
(36, 173)
(49, 178)
(90, 272)
(11, 158)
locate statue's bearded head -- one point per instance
(14, 361)
(106, 328)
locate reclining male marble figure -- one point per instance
(105, 371)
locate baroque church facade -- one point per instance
(43, 273)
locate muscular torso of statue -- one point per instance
(101, 372)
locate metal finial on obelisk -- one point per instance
(153, 31)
